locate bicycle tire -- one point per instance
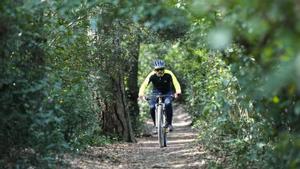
(162, 130)
(160, 127)
(165, 137)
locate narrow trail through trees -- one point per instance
(182, 151)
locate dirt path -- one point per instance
(181, 152)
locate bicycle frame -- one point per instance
(159, 109)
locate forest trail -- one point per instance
(182, 151)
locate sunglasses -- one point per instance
(161, 69)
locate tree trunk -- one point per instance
(115, 114)
(132, 92)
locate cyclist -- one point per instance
(162, 80)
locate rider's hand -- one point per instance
(142, 98)
(176, 95)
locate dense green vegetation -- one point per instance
(69, 76)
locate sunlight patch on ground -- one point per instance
(181, 141)
(182, 164)
(182, 124)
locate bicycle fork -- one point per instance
(162, 115)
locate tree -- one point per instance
(132, 81)
(115, 114)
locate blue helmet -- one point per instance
(159, 64)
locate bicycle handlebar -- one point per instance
(158, 96)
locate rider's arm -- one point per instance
(174, 81)
(145, 84)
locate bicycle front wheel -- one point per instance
(161, 129)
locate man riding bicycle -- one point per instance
(162, 80)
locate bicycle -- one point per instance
(160, 120)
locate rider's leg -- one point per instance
(169, 110)
(152, 112)
(152, 103)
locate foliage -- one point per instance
(238, 63)
(239, 74)
(243, 121)
(46, 100)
